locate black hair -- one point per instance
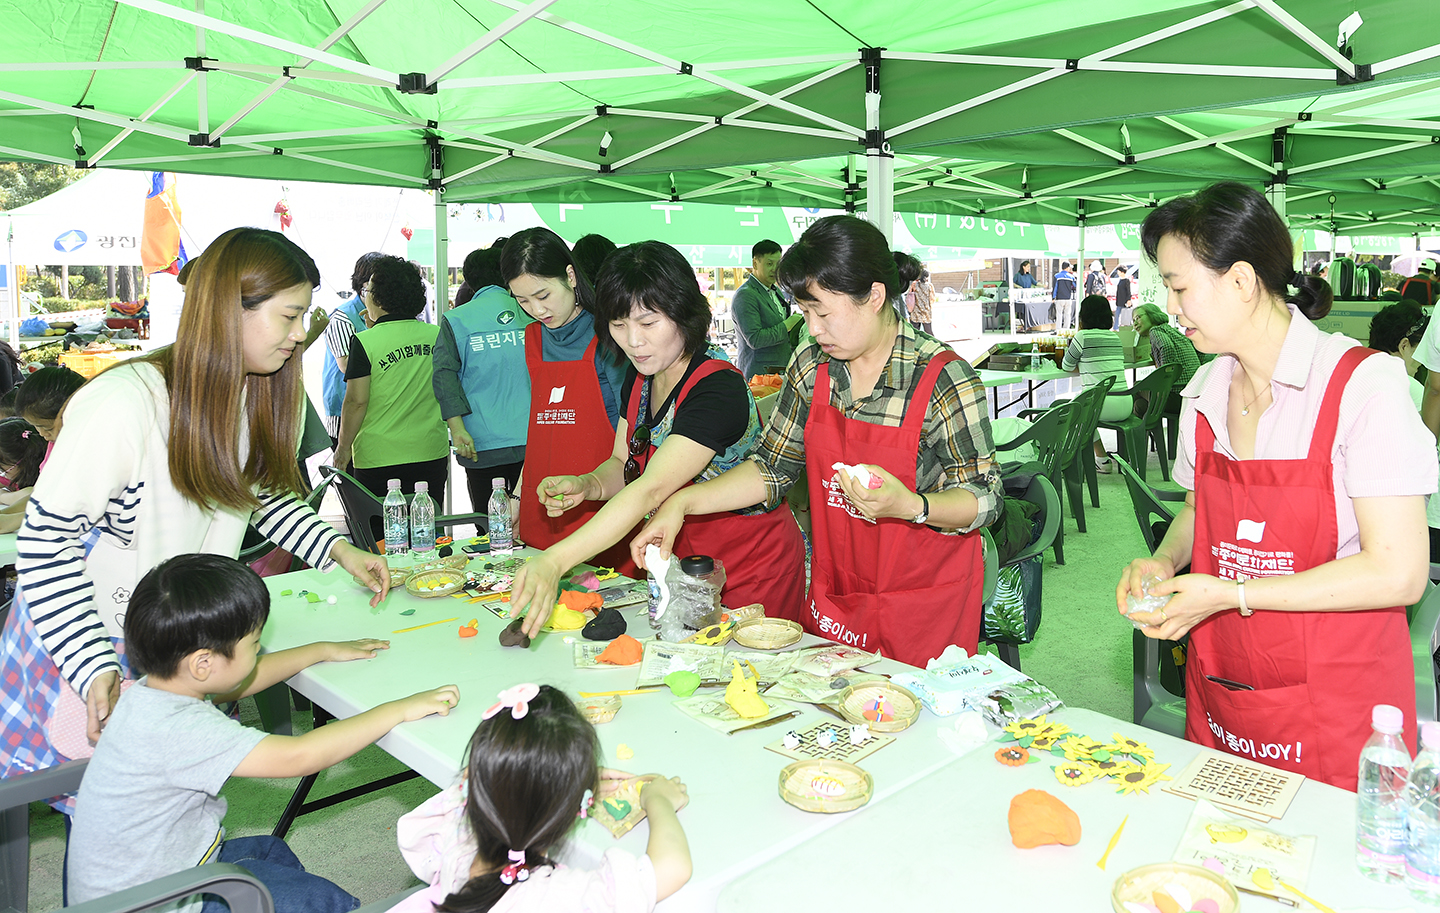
(7, 402)
(189, 603)
(1095, 313)
(24, 448)
(654, 276)
(541, 252)
(841, 254)
(908, 268)
(1228, 222)
(396, 286)
(590, 253)
(43, 394)
(463, 294)
(1065, 265)
(500, 242)
(1394, 322)
(764, 248)
(1021, 267)
(363, 268)
(527, 779)
(482, 268)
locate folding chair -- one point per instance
(16, 794)
(240, 890)
(1047, 433)
(1042, 494)
(1075, 455)
(1132, 430)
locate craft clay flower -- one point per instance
(1079, 747)
(1142, 779)
(1135, 749)
(1012, 756)
(1074, 773)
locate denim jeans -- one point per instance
(294, 889)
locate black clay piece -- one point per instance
(446, 551)
(608, 625)
(510, 635)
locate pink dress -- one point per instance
(436, 842)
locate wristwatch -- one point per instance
(924, 510)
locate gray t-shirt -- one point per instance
(149, 804)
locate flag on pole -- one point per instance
(161, 250)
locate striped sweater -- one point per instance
(104, 512)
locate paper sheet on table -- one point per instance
(832, 659)
(817, 689)
(1242, 845)
(768, 667)
(709, 707)
(661, 658)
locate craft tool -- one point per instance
(763, 723)
(626, 691)
(483, 597)
(1285, 901)
(1113, 840)
(1263, 879)
(427, 625)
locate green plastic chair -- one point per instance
(1047, 432)
(1042, 494)
(1076, 456)
(1132, 430)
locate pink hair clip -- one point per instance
(585, 802)
(517, 699)
(517, 870)
(25, 435)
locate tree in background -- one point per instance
(26, 182)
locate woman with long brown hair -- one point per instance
(171, 453)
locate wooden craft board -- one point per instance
(841, 750)
(1236, 784)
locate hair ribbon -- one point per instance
(516, 700)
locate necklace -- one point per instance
(1245, 410)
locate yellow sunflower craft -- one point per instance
(1141, 779)
(1080, 747)
(1036, 733)
(1074, 773)
(1135, 749)
(1112, 766)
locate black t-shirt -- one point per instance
(715, 414)
(357, 364)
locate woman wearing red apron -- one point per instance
(574, 389)
(896, 568)
(1305, 528)
(688, 418)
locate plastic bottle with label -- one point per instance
(422, 522)
(502, 536)
(397, 520)
(691, 591)
(1380, 798)
(1422, 819)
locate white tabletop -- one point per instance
(735, 820)
(944, 842)
(7, 549)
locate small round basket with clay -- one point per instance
(767, 633)
(439, 582)
(883, 706)
(825, 786)
(599, 709)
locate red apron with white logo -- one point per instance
(888, 585)
(1316, 675)
(569, 435)
(763, 554)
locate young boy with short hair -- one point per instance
(149, 803)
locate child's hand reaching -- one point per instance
(345, 651)
(418, 706)
(661, 789)
(610, 780)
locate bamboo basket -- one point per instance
(599, 709)
(825, 786)
(904, 705)
(440, 582)
(767, 633)
(746, 612)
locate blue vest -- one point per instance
(333, 379)
(489, 332)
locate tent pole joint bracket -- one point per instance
(202, 64)
(1362, 74)
(602, 110)
(1072, 63)
(604, 167)
(414, 84)
(686, 69)
(203, 139)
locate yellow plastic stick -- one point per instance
(1113, 840)
(627, 691)
(426, 625)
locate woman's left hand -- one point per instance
(367, 569)
(892, 499)
(534, 591)
(1196, 598)
(341, 459)
(561, 493)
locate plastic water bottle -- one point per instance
(422, 522)
(1380, 798)
(1037, 360)
(397, 520)
(1422, 819)
(502, 532)
(694, 584)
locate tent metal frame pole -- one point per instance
(523, 79)
(160, 8)
(1361, 156)
(1088, 143)
(1405, 60)
(520, 17)
(1230, 150)
(345, 28)
(162, 101)
(1246, 133)
(318, 134)
(202, 85)
(98, 116)
(1301, 31)
(92, 66)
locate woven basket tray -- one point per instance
(824, 786)
(427, 584)
(903, 705)
(599, 709)
(767, 633)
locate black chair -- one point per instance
(365, 513)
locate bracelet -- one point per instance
(1245, 609)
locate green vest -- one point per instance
(402, 423)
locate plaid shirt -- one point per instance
(1169, 346)
(956, 448)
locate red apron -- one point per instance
(763, 554)
(569, 435)
(1316, 675)
(890, 585)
